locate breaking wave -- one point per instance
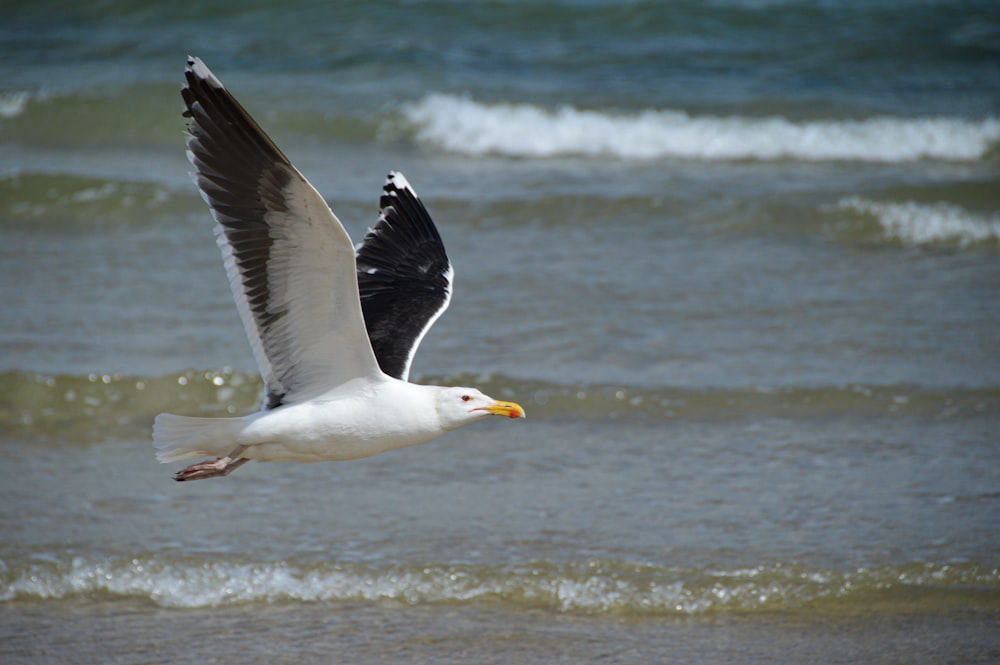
(920, 224)
(463, 125)
(589, 586)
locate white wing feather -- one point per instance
(290, 263)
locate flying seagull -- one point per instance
(333, 328)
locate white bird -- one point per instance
(333, 328)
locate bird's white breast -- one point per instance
(350, 422)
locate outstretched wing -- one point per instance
(404, 277)
(289, 260)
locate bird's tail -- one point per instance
(182, 437)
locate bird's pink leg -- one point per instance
(217, 468)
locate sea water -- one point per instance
(738, 260)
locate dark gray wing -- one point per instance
(404, 277)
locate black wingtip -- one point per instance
(197, 70)
(397, 182)
(193, 64)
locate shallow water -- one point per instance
(740, 270)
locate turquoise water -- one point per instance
(738, 260)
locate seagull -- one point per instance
(333, 327)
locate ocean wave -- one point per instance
(575, 587)
(99, 407)
(462, 125)
(61, 200)
(921, 224)
(92, 117)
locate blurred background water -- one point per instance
(738, 259)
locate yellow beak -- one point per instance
(509, 409)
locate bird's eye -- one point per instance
(466, 398)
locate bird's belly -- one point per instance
(324, 432)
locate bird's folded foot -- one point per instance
(217, 468)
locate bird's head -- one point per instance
(461, 406)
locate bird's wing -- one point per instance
(289, 260)
(404, 276)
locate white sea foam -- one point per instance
(466, 126)
(586, 587)
(920, 223)
(12, 104)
